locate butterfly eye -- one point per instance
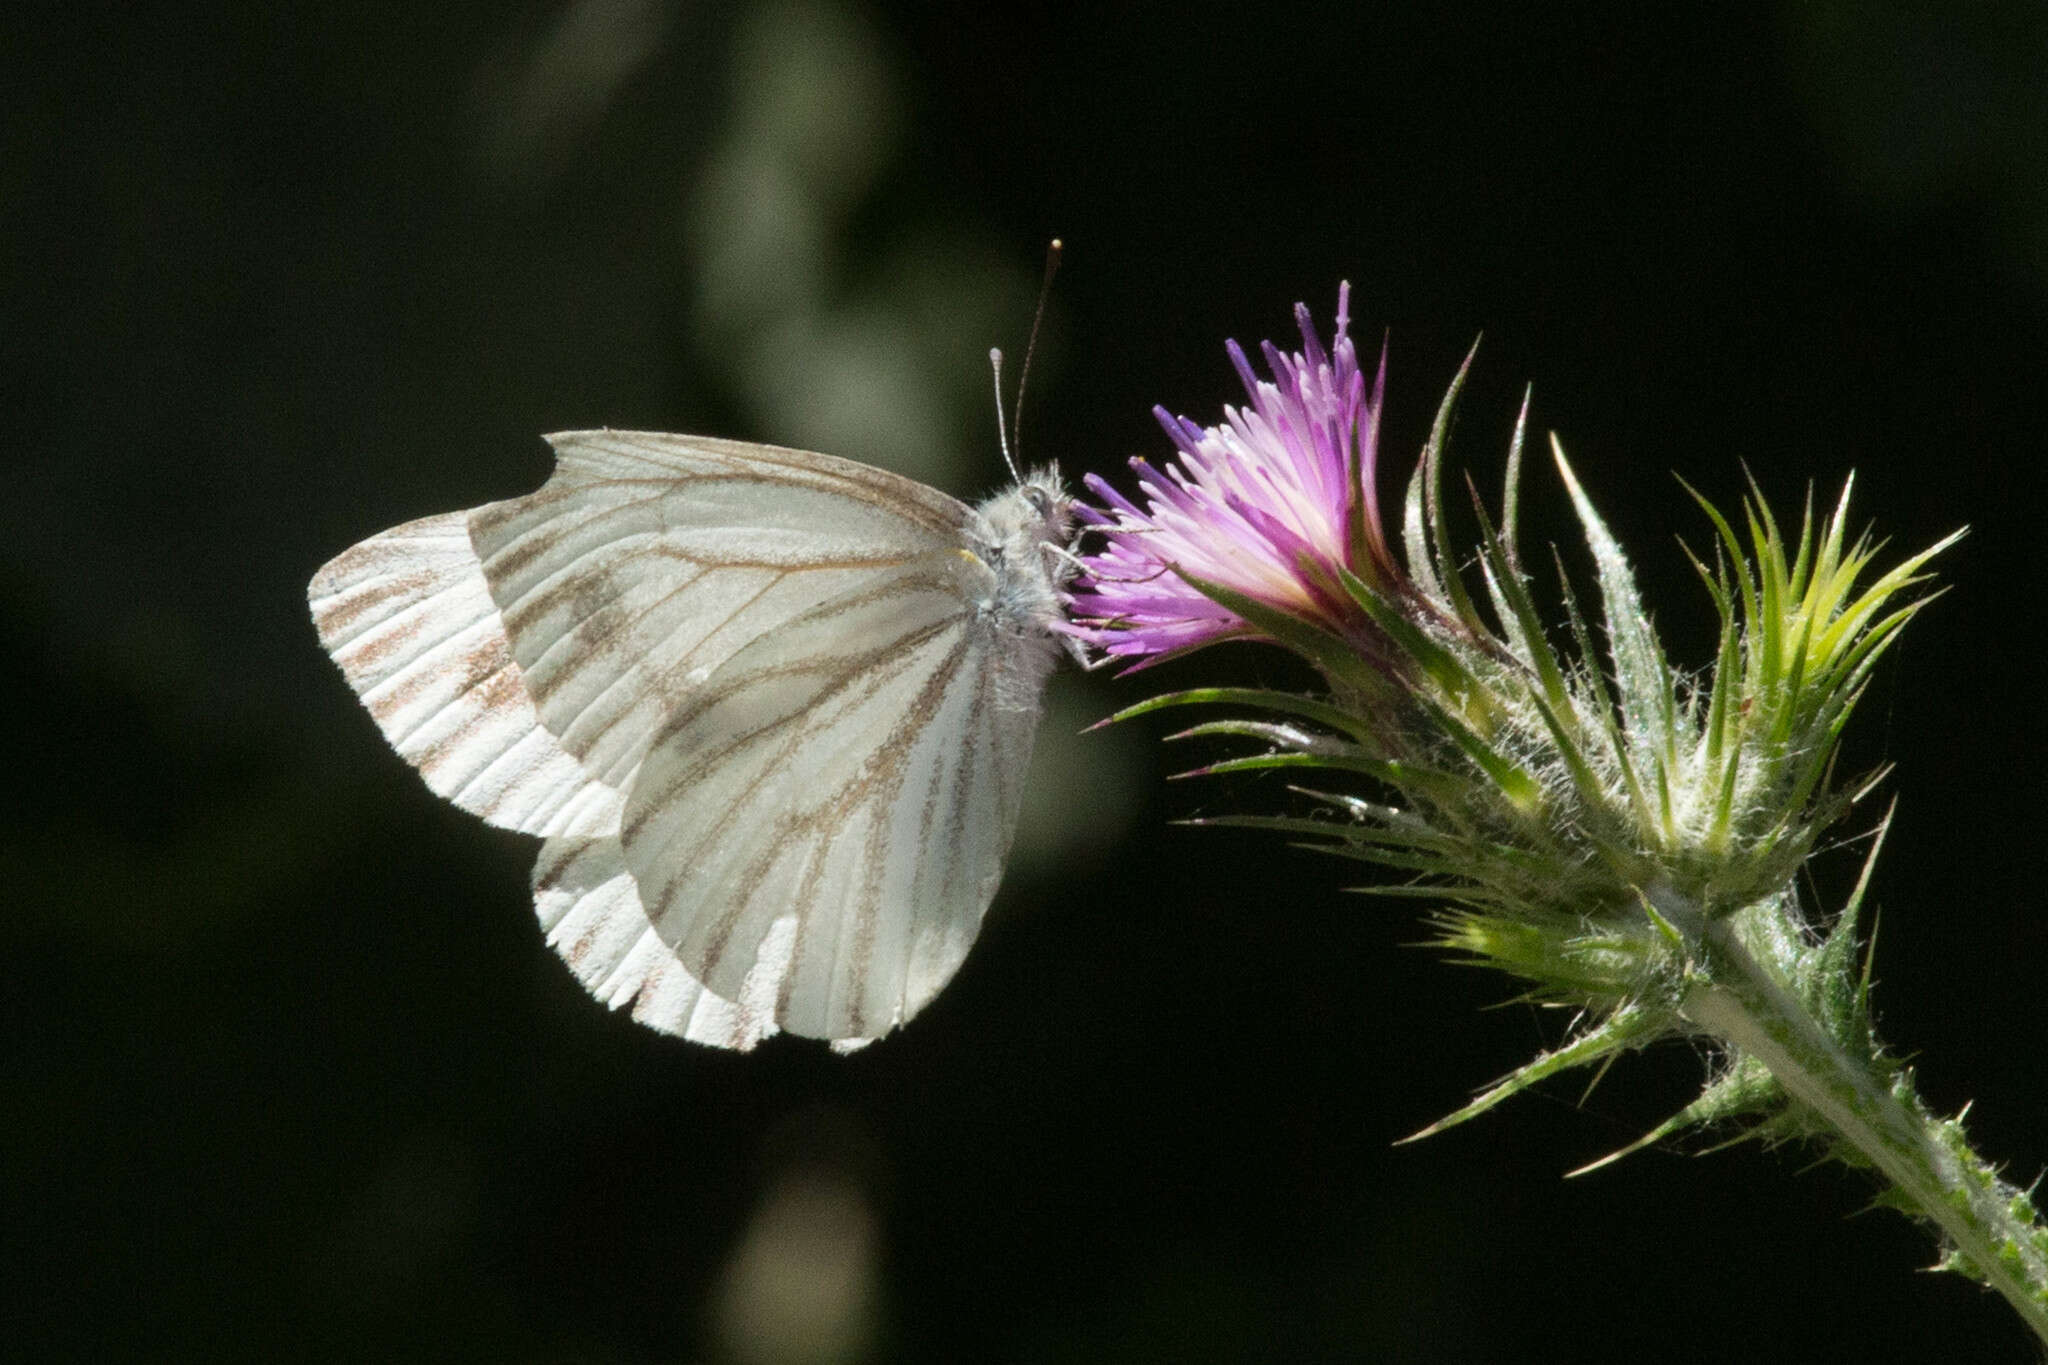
(1041, 501)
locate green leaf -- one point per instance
(1511, 487)
(1621, 1031)
(1519, 615)
(1643, 680)
(1421, 513)
(1445, 668)
(1336, 656)
(1267, 699)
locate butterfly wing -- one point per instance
(647, 559)
(409, 617)
(524, 656)
(831, 808)
(589, 907)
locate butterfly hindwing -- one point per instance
(814, 784)
(589, 908)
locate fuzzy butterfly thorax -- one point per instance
(1021, 534)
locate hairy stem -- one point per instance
(1992, 1228)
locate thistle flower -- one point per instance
(1269, 508)
(1267, 525)
(1619, 834)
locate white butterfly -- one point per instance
(770, 711)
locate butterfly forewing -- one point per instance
(409, 618)
(647, 559)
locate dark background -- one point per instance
(288, 1072)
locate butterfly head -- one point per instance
(1036, 510)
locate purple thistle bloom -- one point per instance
(1267, 505)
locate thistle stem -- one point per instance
(1991, 1226)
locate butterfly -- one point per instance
(768, 710)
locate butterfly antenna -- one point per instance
(995, 362)
(1052, 265)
